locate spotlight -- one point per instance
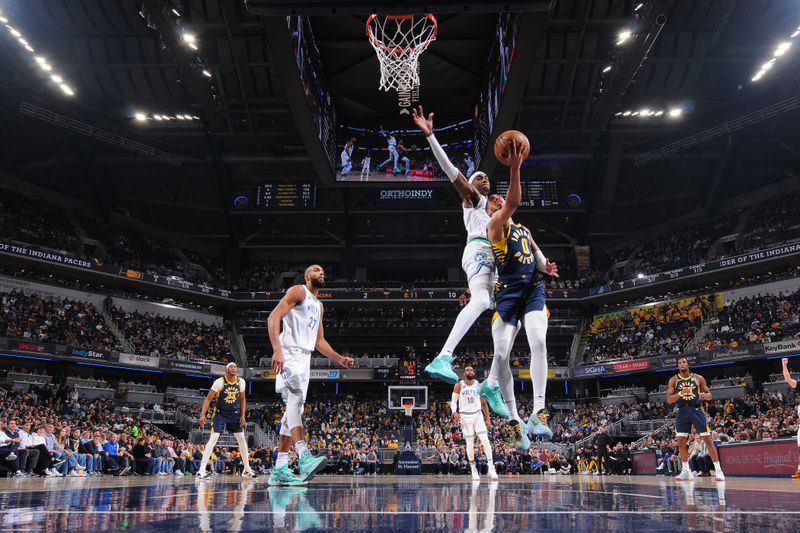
(635, 113)
(626, 114)
(618, 113)
(176, 13)
(188, 37)
(66, 89)
(158, 117)
(768, 65)
(4, 20)
(606, 69)
(675, 112)
(758, 76)
(623, 36)
(795, 34)
(45, 67)
(14, 32)
(640, 275)
(782, 48)
(56, 78)
(40, 60)
(645, 112)
(659, 113)
(206, 73)
(192, 46)
(140, 117)
(638, 7)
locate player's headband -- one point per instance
(229, 365)
(475, 175)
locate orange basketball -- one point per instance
(502, 145)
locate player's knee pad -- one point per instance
(294, 411)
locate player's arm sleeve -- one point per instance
(242, 385)
(217, 385)
(447, 166)
(454, 403)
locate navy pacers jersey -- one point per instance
(514, 254)
(690, 410)
(228, 397)
(518, 290)
(691, 399)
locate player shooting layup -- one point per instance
(472, 411)
(477, 261)
(301, 314)
(520, 297)
(689, 391)
(229, 411)
(793, 384)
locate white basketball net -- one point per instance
(398, 42)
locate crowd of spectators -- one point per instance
(34, 221)
(173, 338)
(757, 319)
(646, 330)
(34, 317)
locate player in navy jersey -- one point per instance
(519, 299)
(689, 391)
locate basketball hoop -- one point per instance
(408, 408)
(398, 41)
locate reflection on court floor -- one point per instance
(611, 503)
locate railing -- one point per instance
(611, 429)
(156, 417)
(640, 426)
(262, 438)
(667, 425)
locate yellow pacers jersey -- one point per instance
(513, 255)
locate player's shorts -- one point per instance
(297, 364)
(478, 259)
(688, 417)
(473, 424)
(226, 421)
(514, 299)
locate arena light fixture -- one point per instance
(659, 113)
(607, 69)
(139, 117)
(782, 48)
(675, 112)
(623, 36)
(638, 7)
(206, 73)
(176, 12)
(56, 78)
(645, 112)
(626, 114)
(40, 60)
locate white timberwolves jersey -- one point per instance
(476, 219)
(301, 325)
(469, 401)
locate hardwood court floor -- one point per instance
(442, 503)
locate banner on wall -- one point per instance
(72, 351)
(789, 346)
(185, 366)
(138, 360)
(324, 374)
(219, 370)
(778, 458)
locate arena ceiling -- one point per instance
(127, 56)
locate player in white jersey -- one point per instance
(229, 413)
(477, 261)
(473, 412)
(301, 314)
(793, 384)
(347, 156)
(394, 155)
(365, 166)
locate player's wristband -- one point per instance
(449, 168)
(541, 261)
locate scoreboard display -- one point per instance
(286, 195)
(535, 193)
